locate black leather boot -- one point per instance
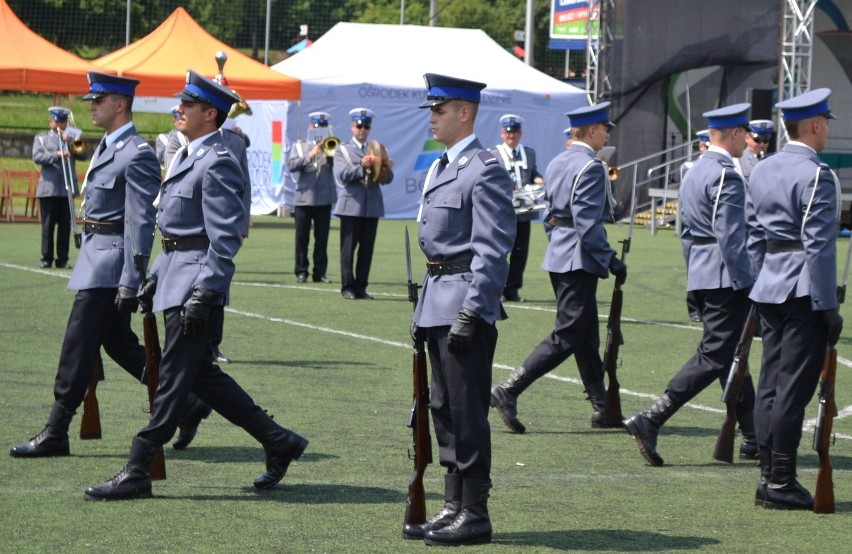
(472, 525)
(281, 446)
(133, 481)
(188, 426)
(765, 460)
(596, 394)
(53, 439)
(783, 492)
(448, 514)
(645, 426)
(504, 397)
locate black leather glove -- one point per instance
(460, 338)
(196, 311)
(619, 269)
(834, 323)
(146, 295)
(125, 300)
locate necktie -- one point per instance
(516, 155)
(442, 164)
(102, 146)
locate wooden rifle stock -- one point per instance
(724, 449)
(824, 493)
(418, 421)
(153, 355)
(90, 422)
(614, 340)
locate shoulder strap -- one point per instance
(716, 202)
(810, 202)
(574, 185)
(345, 152)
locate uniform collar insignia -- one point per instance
(463, 161)
(119, 145)
(200, 152)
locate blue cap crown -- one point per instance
(101, 84)
(568, 133)
(588, 115)
(58, 113)
(807, 105)
(199, 88)
(703, 135)
(319, 119)
(443, 88)
(727, 117)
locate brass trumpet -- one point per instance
(329, 145)
(612, 172)
(79, 146)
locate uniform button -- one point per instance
(424, 221)
(428, 200)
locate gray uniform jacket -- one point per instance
(527, 175)
(120, 187)
(354, 197)
(747, 162)
(201, 196)
(314, 178)
(233, 142)
(780, 189)
(712, 205)
(575, 192)
(51, 183)
(467, 214)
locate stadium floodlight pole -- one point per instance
(127, 26)
(528, 34)
(433, 13)
(266, 38)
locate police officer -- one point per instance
(467, 227)
(58, 165)
(719, 273)
(200, 214)
(313, 171)
(793, 201)
(577, 256)
(359, 206)
(163, 139)
(757, 143)
(693, 304)
(519, 161)
(569, 137)
(122, 182)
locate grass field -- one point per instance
(340, 373)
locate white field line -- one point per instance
(808, 424)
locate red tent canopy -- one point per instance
(160, 60)
(29, 63)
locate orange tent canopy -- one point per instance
(160, 60)
(30, 63)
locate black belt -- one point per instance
(447, 268)
(777, 246)
(196, 242)
(560, 221)
(704, 240)
(103, 227)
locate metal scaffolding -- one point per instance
(796, 54)
(599, 50)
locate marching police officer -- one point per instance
(313, 171)
(466, 229)
(757, 143)
(122, 182)
(359, 206)
(577, 256)
(200, 214)
(519, 161)
(58, 165)
(719, 273)
(793, 202)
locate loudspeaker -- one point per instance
(761, 103)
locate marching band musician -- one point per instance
(519, 161)
(359, 206)
(577, 256)
(313, 171)
(757, 143)
(51, 155)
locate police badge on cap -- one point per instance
(511, 122)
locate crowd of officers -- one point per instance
(768, 240)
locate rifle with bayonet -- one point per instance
(90, 422)
(421, 451)
(614, 339)
(724, 449)
(826, 412)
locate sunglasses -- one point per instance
(362, 126)
(761, 141)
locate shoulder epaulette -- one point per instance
(487, 157)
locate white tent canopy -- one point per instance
(381, 67)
